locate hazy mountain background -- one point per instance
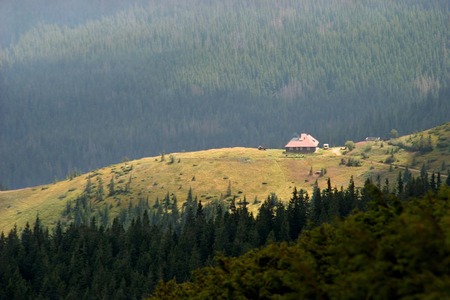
(86, 83)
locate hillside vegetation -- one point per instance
(371, 242)
(223, 175)
(396, 250)
(84, 85)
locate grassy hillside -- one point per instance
(213, 173)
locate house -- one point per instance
(304, 143)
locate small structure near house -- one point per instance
(372, 139)
(326, 146)
(304, 143)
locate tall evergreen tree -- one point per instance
(100, 190)
(294, 214)
(400, 185)
(265, 218)
(432, 184)
(438, 181)
(316, 207)
(111, 187)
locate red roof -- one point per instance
(304, 140)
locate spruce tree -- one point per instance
(433, 183)
(293, 212)
(316, 206)
(438, 181)
(386, 188)
(175, 211)
(88, 187)
(100, 191)
(406, 175)
(111, 187)
(265, 218)
(350, 197)
(400, 185)
(228, 192)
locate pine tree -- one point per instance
(228, 192)
(400, 185)
(128, 185)
(438, 181)
(379, 181)
(166, 203)
(280, 223)
(265, 218)
(334, 207)
(111, 187)
(386, 188)
(423, 171)
(316, 207)
(100, 191)
(406, 175)
(433, 183)
(293, 212)
(104, 216)
(88, 187)
(350, 197)
(233, 205)
(175, 211)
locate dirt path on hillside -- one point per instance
(336, 151)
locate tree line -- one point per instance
(145, 245)
(397, 249)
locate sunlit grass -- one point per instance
(248, 172)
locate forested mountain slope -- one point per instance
(82, 91)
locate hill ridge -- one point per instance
(223, 174)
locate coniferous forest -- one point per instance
(378, 242)
(84, 84)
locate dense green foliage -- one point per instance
(186, 75)
(93, 259)
(396, 250)
(16, 18)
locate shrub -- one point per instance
(390, 159)
(350, 145)
(351, 162)
(171, 159)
